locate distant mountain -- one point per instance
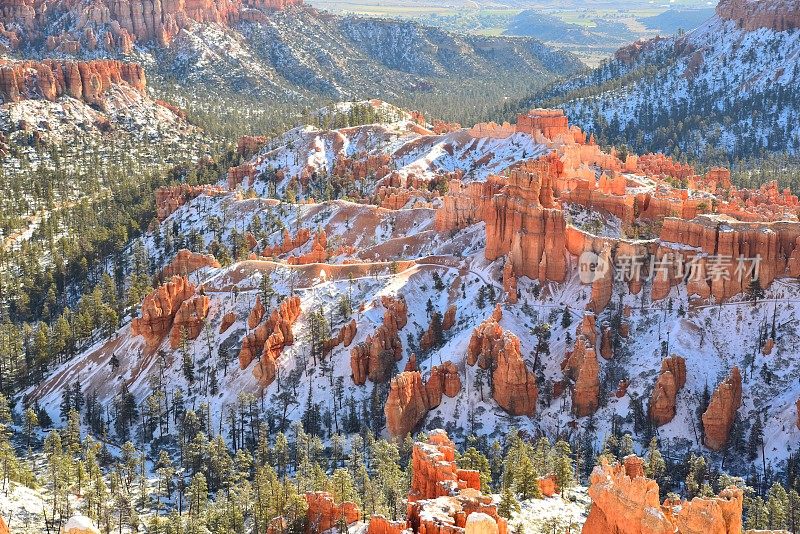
(673, 20)
(725, 90)
(546, 27)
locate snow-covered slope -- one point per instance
(379, 252)
(720, 90)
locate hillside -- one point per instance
(221, 62)
(390, 234)
(723, 91)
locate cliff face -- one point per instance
(778, 15)
(117, 25)
(324, 513)
(83, 80)
(520, 217)
(718, 418)
(624, 501)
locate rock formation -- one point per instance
(624, 501)
(159, 309)
(510, 280)
(227, 320)
(582, 367)
(256, 314)
(434, 471)
(407, 404)
(189, 320)
(492, 347)
(718, 418)
(186, 262)
(442, 497)
(519, 215)
(268, 340)
(410, 399)
(83, 80)
(343, 337)
(670, 381)
(376, 356)
(324, 514)
(115, 26)
(449, 319)
(170, 198)
(777, 15)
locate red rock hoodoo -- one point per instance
(492, 347)
(324, 514)
(670, 381)
(189, 319)
(410, 398)
(268, 339)
(718, 418)
(186, 262)
(624, 501)
(376, 356)
(159, 309)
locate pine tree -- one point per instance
(508, 503)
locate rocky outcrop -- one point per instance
(434, 470)
(379, 524)
(189, 320)
(449, 319)
(513, 385)
(519, 215)
(670, 381)
(288, 243)
(227, 321)
(159, 309)
(582, 367)
(83, 80)
(442, 497)
(268, 340)
(750, 15)
(344, 337)
(186, 262)
(376, 356)
(718, 418)
(624, 501)
(256, 314)
(170, 198)
(115, 26)
(410, 399)
(317, 254)
(324, 514)
(510, 280)
(445, 380)
(407, 404)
